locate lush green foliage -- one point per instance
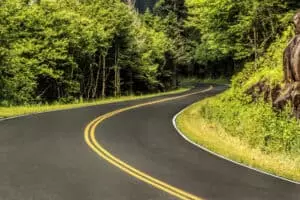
(256, 121)
(173, 14)
(70, 49)
(212, 135)
(232, 31)
(63, 50)
(268, 68)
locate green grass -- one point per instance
(208, 132)
(193, 80)
(29, 109)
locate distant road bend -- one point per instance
(130, 151)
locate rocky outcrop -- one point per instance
(262, 89)
(290, 92)
(291, 68)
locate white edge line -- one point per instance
(223, 157)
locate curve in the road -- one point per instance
(44, 156)
(223, 157)
(89, 136)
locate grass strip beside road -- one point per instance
(194, 81)
(30, 109)
(213, 137)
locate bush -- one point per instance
(256, 121)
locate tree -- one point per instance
(173, 13)
(235, 30)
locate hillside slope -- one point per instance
(243, 125)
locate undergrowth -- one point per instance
(10, 111)
(256, 121)
(252, 122)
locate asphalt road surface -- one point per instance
(45, 157)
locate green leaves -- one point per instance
(62, 50)
(240, 29)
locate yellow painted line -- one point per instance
(90, 139)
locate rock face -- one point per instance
(269, 94)
(291, 68)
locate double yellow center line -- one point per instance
(90, 139)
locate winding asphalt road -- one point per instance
(45, 157)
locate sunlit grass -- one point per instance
(215, 138)
(21, 110)
(194, 80)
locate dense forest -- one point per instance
(69, 49)
(63, 50)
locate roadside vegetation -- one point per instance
(69, 53)
(38, 108)
(215, 136)
(186, 82)
(62, 51)
(61, 54)
(241, 123)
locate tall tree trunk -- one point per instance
(97, 78)
(255, 46)
(118, 81)
(117, 73)
(130, 83)
(115, 81)
(174, 76)
(90, 82)
(103, 76)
